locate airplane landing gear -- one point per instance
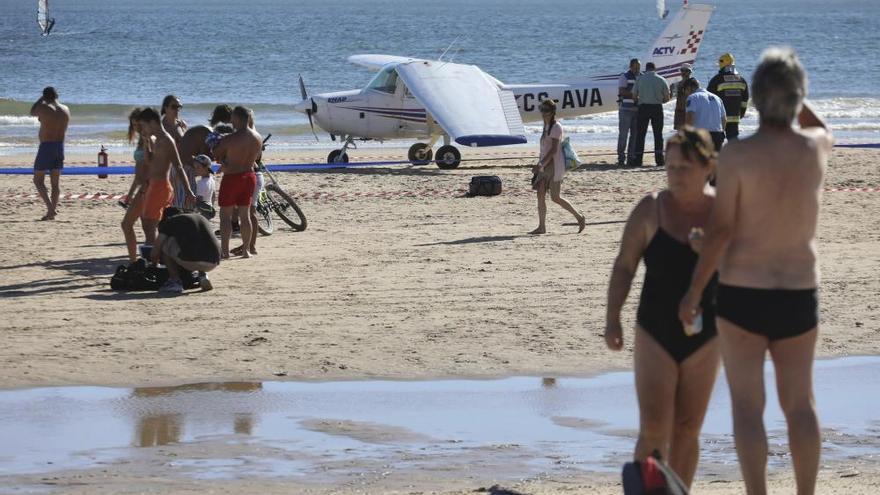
(420, 154)
(340, 155)
(337, 156)
(448, 157)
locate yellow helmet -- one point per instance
(725, 60)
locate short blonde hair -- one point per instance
(779, 86)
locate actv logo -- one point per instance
(661, 51)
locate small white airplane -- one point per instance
(434, 99)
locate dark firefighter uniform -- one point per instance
(733, 90)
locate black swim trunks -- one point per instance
(50, 156)
(774, 313)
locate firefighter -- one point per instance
(733, 90)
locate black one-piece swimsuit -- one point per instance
(669, 266)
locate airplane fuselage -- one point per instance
(375, 114)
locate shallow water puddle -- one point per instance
(515, 427)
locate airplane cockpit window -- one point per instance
(385, 81)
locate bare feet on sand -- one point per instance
(582, 223)
(241, 251)
(537, 231)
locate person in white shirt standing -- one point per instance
(704, 111)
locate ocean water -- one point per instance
(106, 56)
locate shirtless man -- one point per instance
(194, 141)
(238, 152)
(53, 117)
(762, 236)
(161, 157)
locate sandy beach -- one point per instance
(397, 276)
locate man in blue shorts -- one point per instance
(53, 117)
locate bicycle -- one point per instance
(274, 199)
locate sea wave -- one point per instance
(18, 121)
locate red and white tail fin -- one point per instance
(680, 41)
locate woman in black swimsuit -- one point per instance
(674, 372)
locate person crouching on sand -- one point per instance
(134, 205)
(186, 241)
(550, 169)
(762, 238)
(675, 371)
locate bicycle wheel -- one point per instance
(264, 218)
(286, 208)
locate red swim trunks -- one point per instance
(237, 189)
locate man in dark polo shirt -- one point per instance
(187, 241)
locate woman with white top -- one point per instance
(550, 169)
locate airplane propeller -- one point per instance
(309, 111)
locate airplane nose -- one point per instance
(303, 106)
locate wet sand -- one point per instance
(327, 434)
(396, 277)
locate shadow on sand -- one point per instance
(81, 273)
(475, 240)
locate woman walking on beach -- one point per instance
(550, 169)
(762, 238)
(176, 127)
(135, 198)
(675, 367)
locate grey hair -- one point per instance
(779, 86)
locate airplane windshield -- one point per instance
(385, 81)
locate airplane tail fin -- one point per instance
(679, 42)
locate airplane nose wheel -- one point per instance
(448, 157)
(420, 154)
(337, 156)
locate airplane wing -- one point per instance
(377, 62)
(465, 101)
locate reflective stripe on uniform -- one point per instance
(736, 86)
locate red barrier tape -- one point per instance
(425, 193)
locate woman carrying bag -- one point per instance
(550, 170)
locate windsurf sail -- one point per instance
(43, 19)
(662, 11)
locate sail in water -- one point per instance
(43, 20)
(662, 11)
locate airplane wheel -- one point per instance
(448, 157)
(420, 154)
(334, 157)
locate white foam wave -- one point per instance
(19, 120)
(577, 129)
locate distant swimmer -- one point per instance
(161, 157)
(675, 367)
(762, 237)
(238, 154)
(54, 119)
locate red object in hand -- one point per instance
(102, 161)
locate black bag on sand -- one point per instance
(139, 276)
(485, 185)
(651, 477)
